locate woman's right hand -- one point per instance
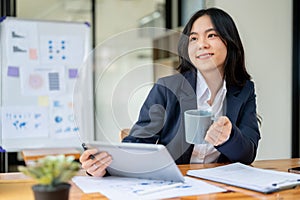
(96, 166)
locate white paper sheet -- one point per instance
(240, 175)
(24, 122)
(43, 80)
(66, 49)
(132, 188)
(21, 43)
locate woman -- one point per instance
(212, 75)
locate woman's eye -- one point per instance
(212, 35)
(193, 38)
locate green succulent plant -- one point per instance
(51, 171)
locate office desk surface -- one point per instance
(17, 186)
(34, 154)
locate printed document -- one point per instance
(114, 187)
(240, 175)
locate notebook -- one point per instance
(138, 160)
(248, 177)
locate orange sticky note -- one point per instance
(33, 54)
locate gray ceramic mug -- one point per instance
(196, 124)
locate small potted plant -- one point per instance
(52, 174)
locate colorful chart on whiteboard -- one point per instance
(41, 62)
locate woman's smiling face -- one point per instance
(206, 49)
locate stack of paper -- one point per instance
(240, 175)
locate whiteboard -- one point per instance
(46, 84)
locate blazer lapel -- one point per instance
(187, 94)
(233, 103)
(188, 100)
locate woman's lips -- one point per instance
(204, 55)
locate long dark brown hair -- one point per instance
(234, 65)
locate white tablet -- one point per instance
(138, 160)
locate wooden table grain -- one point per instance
(14, 186)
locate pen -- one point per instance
(157, 189)
(92, 157)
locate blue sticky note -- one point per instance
(13, 71)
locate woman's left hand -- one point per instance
(219, 131)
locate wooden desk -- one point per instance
(30, 155)
(17, 186)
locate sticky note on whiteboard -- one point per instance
(43, 100)
(13, 71)
(33, 54)
(73, 73)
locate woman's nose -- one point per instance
(203, 44)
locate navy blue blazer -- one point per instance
(161, 119)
